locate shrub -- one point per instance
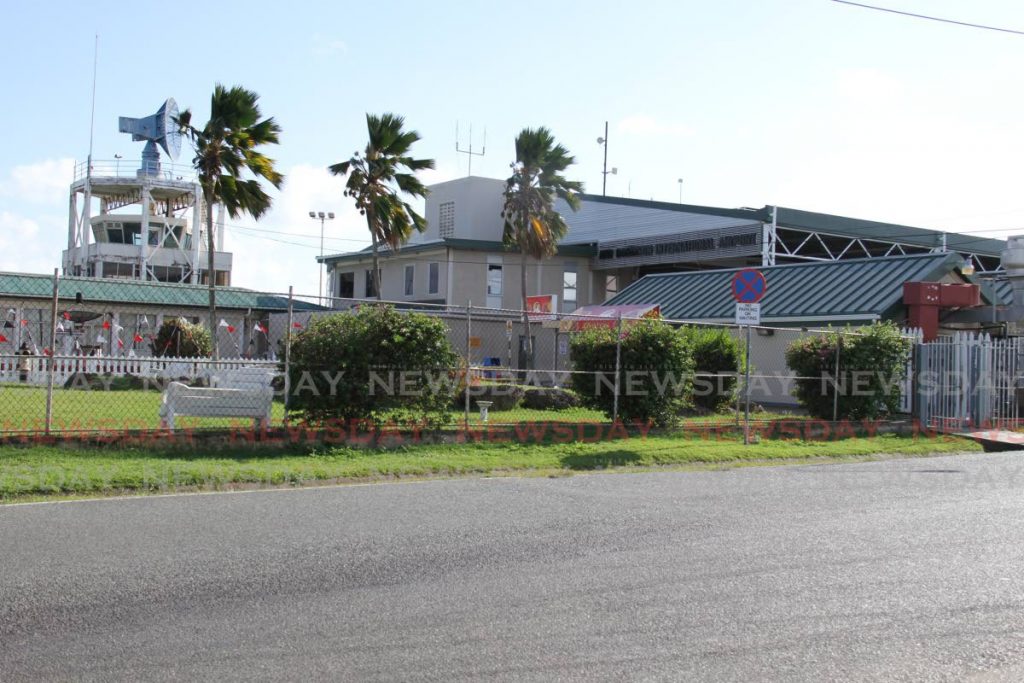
(715, 352)
(179, 337)
(871, 363)
(656, 371)
(501, 396)
(544, 398)
(384, 365)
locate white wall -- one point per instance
(477, 204)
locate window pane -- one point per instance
(409, 277)
(347, 285)
(493, 279)
(432, 278)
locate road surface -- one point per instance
(910, 570)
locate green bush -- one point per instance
(384, 365)
(715, 352)
(656, 371)
(179, 337)
(550, 398)
(871, 364)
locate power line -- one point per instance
(930, 18)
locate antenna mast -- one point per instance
(92, 113)
(469, 152)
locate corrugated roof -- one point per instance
(452, 242)
(33, 286)
(855, 289)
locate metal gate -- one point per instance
(968, 381)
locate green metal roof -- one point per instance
(855, 289)
(453, 243)
(107, 290)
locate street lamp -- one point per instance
(321, 216)
(604, 169)
(680, 181)
(117, 164)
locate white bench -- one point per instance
(243, 392)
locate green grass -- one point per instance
(24, 408)
(40, 472)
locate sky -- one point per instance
(810, 104)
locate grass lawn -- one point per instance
(41, 472)
(24, 408)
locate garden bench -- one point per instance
(243, 392)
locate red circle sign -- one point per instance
(748, 286)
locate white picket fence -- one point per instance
(166, 367)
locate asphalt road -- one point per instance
(909, 570)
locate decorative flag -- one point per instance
(137, 338)
(60, 326)
(35, 350)
(47, 352)
(259, 327)
(120, 344)
(231, 329)
(297, 325)
(67, 315)
(222, 323)
(144, 321)
(106, 324)
(24, 323)
(2, 338)
(100, 339)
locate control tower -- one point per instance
(142, 223)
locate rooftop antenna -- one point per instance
(469, 152)
(92, 113)
(157, 129)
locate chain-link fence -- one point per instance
(92, 355)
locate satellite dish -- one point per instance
(158, 129)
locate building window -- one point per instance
(446, 220)
(433, 277)
(371, 291)
(347, 285)
(611, 286)
(410, 279)
(494, 281)
(569, 288)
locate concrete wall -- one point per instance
(477, 204)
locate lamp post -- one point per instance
(117, 164)
(680, 181)
(321, 216)
(604, 169)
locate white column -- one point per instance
(144, 232)
(197, 222)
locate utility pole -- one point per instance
(604, 169)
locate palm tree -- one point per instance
(226, 147)
(378, 178)
(532, 225)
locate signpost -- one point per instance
(748, 286)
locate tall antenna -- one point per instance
(469, 152)
(92, 113)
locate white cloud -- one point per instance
(640, 124)
(41, 183)
(23, 247)
(323, 46)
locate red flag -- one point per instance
(260, 328)
(231, 329)
(2, 338)
(47, 352)
(106, 324)
(67, 315)
(120, 344)
(297, 325)
(137, 338)
(24, 323)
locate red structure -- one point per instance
(924, 299)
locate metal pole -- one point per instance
(320, 288)
(835, 384)
(288, 353)
(746, 392)
(53, 351)
(604, 170)
(618, 366)
(469, 324)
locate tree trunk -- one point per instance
(211, 276)
(376, 263)
(526, 312)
